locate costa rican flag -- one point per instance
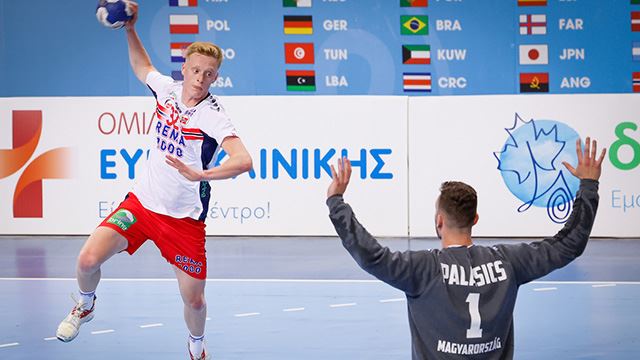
(416, 82)
(192, 134)
(183, 3)
(183, 24)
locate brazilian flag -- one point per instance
(414, 25)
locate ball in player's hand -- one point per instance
(113, 13)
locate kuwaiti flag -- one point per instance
(183, 24)
(177, 51)
(296, 3)
(416, 54)
(183, 2)
(416, 82)
(537, 54)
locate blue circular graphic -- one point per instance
(531, 166)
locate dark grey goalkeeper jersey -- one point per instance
(461, 299)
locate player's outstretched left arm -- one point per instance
(531, 261)
(239, 161)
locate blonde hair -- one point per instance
(205, 48)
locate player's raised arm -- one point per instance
(138, 57)
(395, 268)
(531, 261)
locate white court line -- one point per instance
(151, 325)
(50, 338)
(247, 314)
(329, 281)
(392, 300)
(586, 282)
(342, 305)
(9, 345)
(602, 285)
(546, 289)
(293, 309)
(102, 332)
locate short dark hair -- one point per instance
(459, 202)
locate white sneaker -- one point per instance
(70, 326)
(203, 356)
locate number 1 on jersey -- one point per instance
(474, 311)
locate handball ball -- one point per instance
(113, 13)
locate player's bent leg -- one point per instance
(195, 312)
(101, 245)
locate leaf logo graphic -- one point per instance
(530, 163)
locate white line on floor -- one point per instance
(102, 332)
(293, 309)
(602, 285)
(546, 289)
(337, 281)
(9, 344)
(151, 325)
(50, 338)
(392, 300)
(247, 314)
(342, 305)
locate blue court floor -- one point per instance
(295, 298)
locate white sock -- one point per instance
(86, 299)
(196, 344)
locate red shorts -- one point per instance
(181, 241)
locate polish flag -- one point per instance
(183, 24)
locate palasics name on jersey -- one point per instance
(489, 273)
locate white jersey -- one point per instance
(193, 135)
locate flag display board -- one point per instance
(351, 47)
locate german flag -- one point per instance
(534, 82)
(301, 80)
(298, 24)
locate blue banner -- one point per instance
(351, 47)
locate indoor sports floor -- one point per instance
(290, 298)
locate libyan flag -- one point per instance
(301, 80)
